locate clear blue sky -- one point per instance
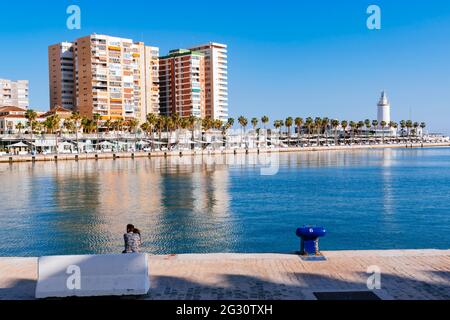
(286, 58)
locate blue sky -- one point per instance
(286, 58)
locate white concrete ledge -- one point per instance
(92, 275)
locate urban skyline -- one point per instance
(322, 62)
(119, 78)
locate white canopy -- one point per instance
(65, 143)
(106, 143)
(143, 143)
(157, 142)
(18, 145)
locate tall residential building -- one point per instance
(61, 75)
(182, 83)
(14, 93)
(216, 65)
(114, 77)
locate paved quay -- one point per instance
(155, 154)
(405, 275)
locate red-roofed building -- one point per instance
(12, 118)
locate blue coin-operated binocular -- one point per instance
(310, 240)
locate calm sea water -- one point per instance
(379, 199)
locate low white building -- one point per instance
(11, 117)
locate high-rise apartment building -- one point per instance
(61, 75)
(14, 93)
(216, 79)
(113, 77)
(182, 83)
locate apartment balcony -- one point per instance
(100, 93)
(101, 108)
(114, 48)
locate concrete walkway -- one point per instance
(405, 274)
(155, 154)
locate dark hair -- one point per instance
(136, 230)
(130, 228)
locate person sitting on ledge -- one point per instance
(132, 240)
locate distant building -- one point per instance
(216, 79)
(14, 93)
(182, 84)
(12, 120)
(63, 113)
(384, 109)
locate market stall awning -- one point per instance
(18, 145)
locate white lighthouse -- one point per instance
(384, 109)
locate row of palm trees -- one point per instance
(162, 123)
(158, 124)
(320, 125)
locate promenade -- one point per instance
(157, 153)
(405, 275)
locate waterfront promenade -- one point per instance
(157, 153)
(405, 275)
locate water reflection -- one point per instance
(224, 204)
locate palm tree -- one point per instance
(383, 127)
(368, 126)
(309, 124)
(409, 125)
(344, 125)
(176, 124)
(391, 125)
(53, 123)
(108, 125)
(265, 121)
(254, 122)
(423, 125)
(395, 126)
(160, 124)
(288, 123)
(38, 126)
(145, 127)
(403, 126)
(69, 125)
(76, 117)
(189, 124)
(359, 126)
(335, 125)
(277, 124)
(353, 126)
(318, 126)
(133, 124)
(416, 126)
(243, 122)
(170, 127)
(325, 123)
(20, 126)
(225, 128)
(298, 122)
(152, 120)
(118, 127)
(96, 117)
(31, 116)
